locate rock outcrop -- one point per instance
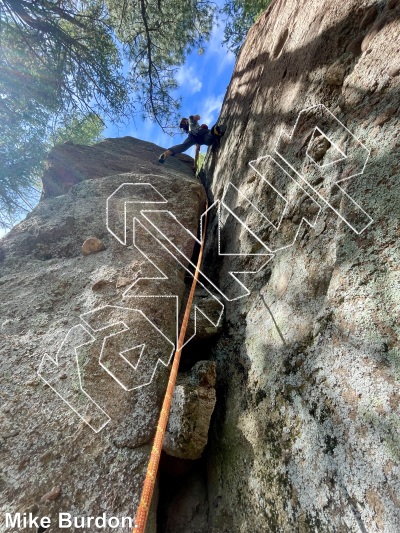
(81, 443)
(302, 252)
(191, 409)
(306, 431)
(71, 163)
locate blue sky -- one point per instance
(203, 81)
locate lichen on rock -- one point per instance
(305, 430)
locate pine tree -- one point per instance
(157, 36)
(240, 16)
(56, 61)
(62, 62)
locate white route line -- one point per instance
(55, 362)
(127, 328)
(284, 210)
(216, 204)
(127, 295)
(161, 200)
(286, 135)
(142, 188)
(308, 154)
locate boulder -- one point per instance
(335, 74)
(77, 416)
(191, 409)
(92, 245)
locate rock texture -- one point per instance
(305, 436)
(188, 508)
(191, 409)
(70, 164)
(52, 461)
(305, 433)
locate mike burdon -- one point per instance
(66, 520)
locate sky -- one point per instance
(203, 81)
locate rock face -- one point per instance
(80, 321)
(191, 409)
(70, 164)
(302, 250)
(305, 436)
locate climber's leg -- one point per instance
(164, 156)
(213, 136)
(178, 149)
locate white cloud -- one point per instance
(210, 109)
(186, 76)
(220, 54)
(203, 81)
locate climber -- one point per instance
(198, 134)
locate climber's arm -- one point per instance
(193, 122)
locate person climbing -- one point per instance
(197, 134)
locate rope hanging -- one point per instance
(152, 468)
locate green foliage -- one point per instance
(240, 16)
(22, 152)
(79, 129)
(61, 64)
(58, 60)
(157, 36)
(59, 55)
(200, 161)
(66, 63)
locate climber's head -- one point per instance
(184, 124)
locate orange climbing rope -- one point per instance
(152, 467)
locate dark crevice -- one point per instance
(195, 351)
(183, 482)
(182, 493)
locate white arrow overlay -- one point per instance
(346, 158)
(64, 375)
(124, 355)
(133, 346)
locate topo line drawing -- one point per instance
(282, 176)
